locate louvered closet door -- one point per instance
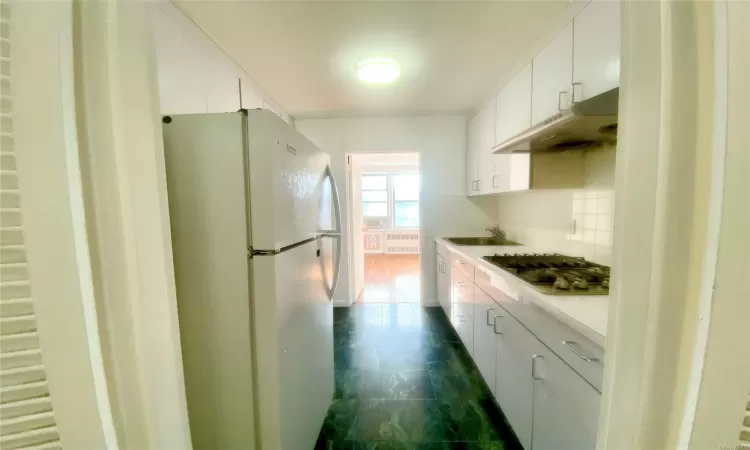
(745, 428)
(26, 417)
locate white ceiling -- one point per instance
(304, 54)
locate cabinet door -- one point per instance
(596, 49)
(463, 310)
(472, 145)
(180, 68)
(249, 98)
(485, 354)
(443, 285)
(514, 387)
(552, 77)
(513, 111)
(566, 407)
(486, 159)
(222, 87)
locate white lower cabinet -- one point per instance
(485, 310)
(549, 405)
(462, 309)
(443, 279)
(566, 407)
(514, 387)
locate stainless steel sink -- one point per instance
(480, 241)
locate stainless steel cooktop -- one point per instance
(555, 274)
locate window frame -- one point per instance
(395, 202)
(386, 190)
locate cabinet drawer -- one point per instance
(583, 355)
(464, 266)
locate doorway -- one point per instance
(385, 222)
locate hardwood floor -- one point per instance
(391, 279)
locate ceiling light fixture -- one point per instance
(379, 70)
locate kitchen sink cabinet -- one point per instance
(552, 77)
(596, 50)
(566, 407)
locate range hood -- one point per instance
(587, 124)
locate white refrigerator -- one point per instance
(256, 229)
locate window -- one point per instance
(406, 200)
(375, 195)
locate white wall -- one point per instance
(445, 210)
(543, 218)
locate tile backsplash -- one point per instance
(576, 222)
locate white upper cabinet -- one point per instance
(179, 68)
(472, 151)
(552, 77)
(222, 87)
(249, 98)
(596, 49)
(486, 159)
(513, 113)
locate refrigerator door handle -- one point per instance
(336, 232)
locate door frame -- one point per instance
(350, 221)
(669, 170)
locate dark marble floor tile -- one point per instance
(409, 384)
(391, 359)
(360, 358)
(399, 420)
(339, 422)
(359, 384)
(461, 446)
(332, 444)
(405, 381)
(387, 445)
(455, 389)
(466, 421)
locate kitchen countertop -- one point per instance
(586, 314)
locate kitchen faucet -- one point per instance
(497, 232)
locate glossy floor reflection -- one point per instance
(404, 381)
(391, 278)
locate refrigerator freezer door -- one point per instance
(294, 347)
(285, 172)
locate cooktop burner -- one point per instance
(555, 274)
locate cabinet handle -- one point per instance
(493, 181)
(475, 184)
(533, 365)
(572, 347)
(495, 324)
(479, 185)
(461, 262)
(580, 91)
(559, 100)
(488, 317)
